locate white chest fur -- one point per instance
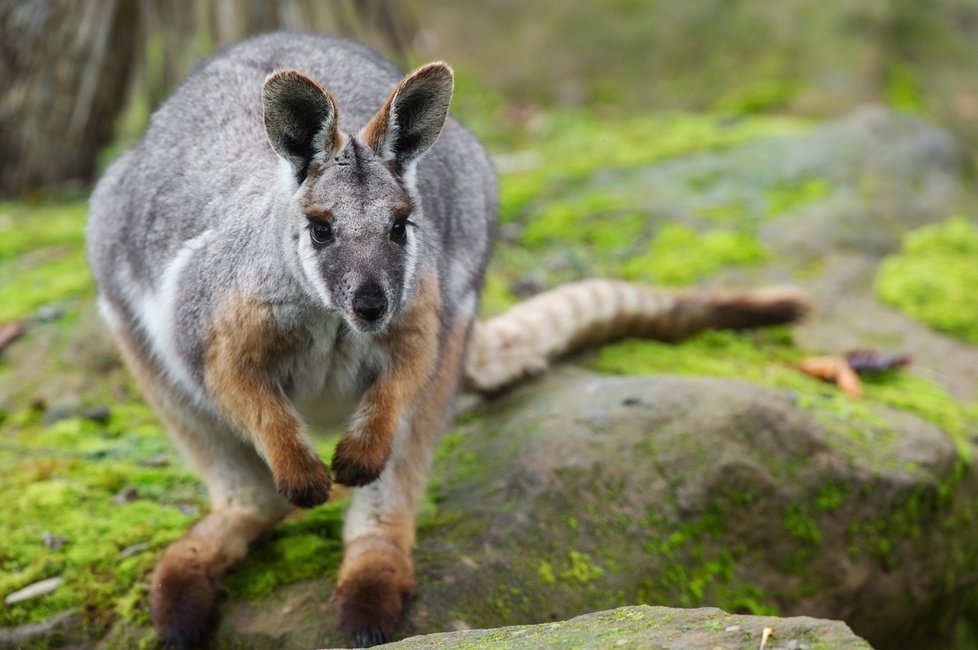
(327, 377)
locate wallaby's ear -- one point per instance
(413, 117)
(300, 120)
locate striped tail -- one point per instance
(522, 341)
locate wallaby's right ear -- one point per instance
(413, 117)
(300, 120)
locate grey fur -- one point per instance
(206, 165)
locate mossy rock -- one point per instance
(933, 278)
(582, 492)
(651, 627)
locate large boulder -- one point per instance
(653, 627)
(582, 492)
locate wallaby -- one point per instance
(301, 234)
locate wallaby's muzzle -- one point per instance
(370, 303)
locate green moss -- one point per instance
(933, 278)
(759, 97)
(785, 197)
(42, 257)
(831, 496)
(61, 480)
(594, 219)
(802, 526)
(903, 88)
(27, 227)
(574, 144)
(678, 255)
(698, 565)
(546, 573)
(310, 547)
(582, 568)
(768, 357)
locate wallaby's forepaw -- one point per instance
(356, 464)
(182, 600)
(370, 606)
(306, 484)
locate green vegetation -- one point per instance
(574, 144)
(569, 226)
(308, 547)
(933, 278)
(768, 357)
(108, 497)
(42, 258)
(679, 256)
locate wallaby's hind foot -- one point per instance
(376, 582)
(185, 583)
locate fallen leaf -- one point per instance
(833, 369)
(765, 635)
(34, 590)
(866, 360)
(10, 333)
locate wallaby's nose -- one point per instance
(370, 303)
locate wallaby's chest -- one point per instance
(329, 370)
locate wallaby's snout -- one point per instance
(370, 303)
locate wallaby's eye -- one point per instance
(399, 231)
(320, 232)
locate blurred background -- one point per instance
(80, 78)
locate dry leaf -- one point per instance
(867, 360)
(9, 333)
(833, 369)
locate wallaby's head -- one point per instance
(354, 216)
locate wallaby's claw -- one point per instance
(308, 488)
(355, 466)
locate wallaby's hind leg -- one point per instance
(244, 503)
(376, 577)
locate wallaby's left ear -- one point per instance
(413, 117)
(300, 120)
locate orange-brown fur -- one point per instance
(184, 584)
(243, 346)
(376, 577)
(361, 455)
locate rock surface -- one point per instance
(653, 627)
(581, 492)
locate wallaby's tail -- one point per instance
(523, 340)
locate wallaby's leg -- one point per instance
(244, 502)
(241, 355)
(376, 577)
(245, 505)
(361, 455)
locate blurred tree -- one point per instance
(69, 67)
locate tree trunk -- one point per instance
(65, 68)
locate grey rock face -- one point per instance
(653, 627)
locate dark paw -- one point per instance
(306, 489)
(370, 638)
(369, 611)
(182, 605)
(355, 468)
